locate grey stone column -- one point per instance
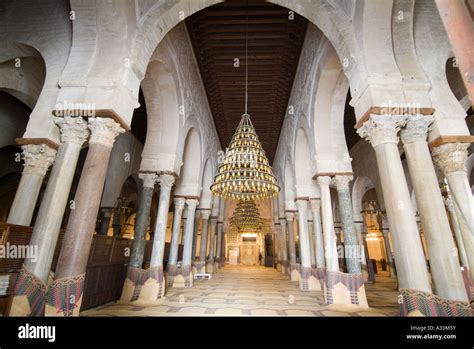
(212, 240)
(166, 183)
(312, 243)
(281, 231)
(290, 216)
(330, 248)
(218, 243)
(191, 205)
(385, 229)
(105, 223)
(305, 250)
(318, 234)
(72, 262)
(457, 232)
(444, 263)
(45, 234)
(195, 234)
(178, 212)
(381, 131)
(37, 159)
(351, 247)
(205, 214)
(451, 159)
(143, 216)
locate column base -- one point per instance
(295, 272)
(217, 264)
(143, 286)
(183, 277)
(285, 267)
(199, 268)
(344, 288)
(29, 295)
(418, 303)
(64, 297)
(210, 266)
(222, 263)
(309, 280)
(278, 266)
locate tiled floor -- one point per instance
(246, 290)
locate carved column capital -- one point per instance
(342, 182)
(324, 180)
(416, 128)
(205, 214)
(192, 203)
(451, 157)
(315, 204)
(72, 129)
(290, 216)
(104, 131)
(302, 204)
(166, 181)
(149, 179)
(179, 204)
(382, 129)
(37, 158)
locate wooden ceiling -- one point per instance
(218, 34)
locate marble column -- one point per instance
(294, 273)
(352, 249)
(72, 262)
(223, 258)
(457, 232)
(37, 159)
(318, 234)
(381, 131)
(186, 272)
(195, 234)
(143, 216)
(330, 248)
(205, 214)
(105, 223)
(212, 237)
(174, 245)
(218, 244)
(445, 268)
(281, 231)
(307, 280)
(166, 183)
(312, 244)
(386, 240)
(451, 159)
(45, 233)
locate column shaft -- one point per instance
(305, 250)
(178, 212)
(330, 248)
(188, 231)
(318, 234)
(204, 234)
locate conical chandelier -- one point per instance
(245, 173)
(246, 217)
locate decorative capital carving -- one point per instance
(324, 180)
(179, 204)
(382, 129)
(192, 203)
(416, 129)
(290, 216)
(205, 214)
(451, 157)
(302, 204)
(149, 179)
(342, 182)
(37, 158)
(72, 129)
(166, 181)
(315, 204)
(104, 131)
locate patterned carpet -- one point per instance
(251, 290)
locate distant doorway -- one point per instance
(249, 251)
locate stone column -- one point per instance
(72, 262)
(444, 263)
(351, 247)
(457, 232)
(223, 259)
(218, 245)
(143, 215)
(37, 159)
(307, 280)
(201, 266)
(212, 235)
(173, 257)
(318, 234)
(385, 229)
(330, 248)
(381, 131)
(281, 230)
(34, 273)
(294, 273)
(451, 159)
(185, 275)
(195, 235)
(104, 225)
(312, 243)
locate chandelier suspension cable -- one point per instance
(246, 59)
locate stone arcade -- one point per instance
(115, 116)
